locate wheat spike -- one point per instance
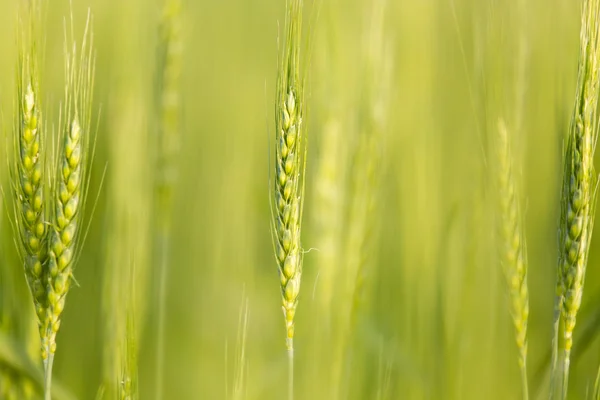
(579, 184)
(70, 185)
(28, 177)
(289, 169)
(167, 148)
(513, 253)
(288, 186)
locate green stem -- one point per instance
(290, 343)
(555, 329)
(565, 380)
(163, 239)
(524, 384)
(48, 376)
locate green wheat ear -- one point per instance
(289, 169)
(27, 175)
(287, 196)
(27, 171)
(70, 182)
(28, 178)
(579, 188)
(167, 150)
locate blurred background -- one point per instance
(403, 98)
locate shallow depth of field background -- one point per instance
(435, 316)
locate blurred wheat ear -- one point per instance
(167, 150)
(513, 252)
(364, 189)
(579, 191)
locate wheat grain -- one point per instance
(513, 250)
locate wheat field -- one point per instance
(404, 188)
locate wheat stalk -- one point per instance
(513, 253)
(241, 362)
(579, 187)
(167, 149)
(128, 382)
(368, 154)
(596, 393)
(121, 351)
(125, 292)
(364, 193)
(288, 187)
